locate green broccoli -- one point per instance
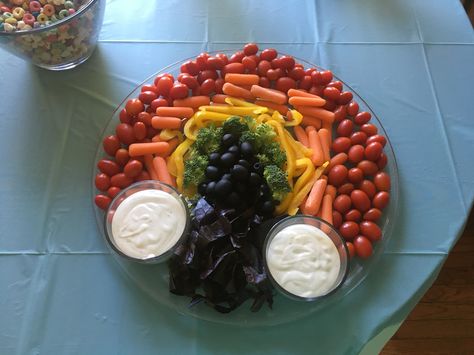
(235, 126)
(262, 135)
(208, 140)
(277, 181)
(194, 169)
(273, 154)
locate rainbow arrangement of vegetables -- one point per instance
(247, 139)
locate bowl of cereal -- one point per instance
(52, 34)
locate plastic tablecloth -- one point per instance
(61, 292)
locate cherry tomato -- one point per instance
(215, 63)
(336, 219)
(145, 118)
(191, 67)
(164, 86)
(250, 49)
(355, 175)
(201, 61)
(360, 200)
(139, 130)
(318, 90)
(331, 93)
(158, 78)
(143, 176)
(341, 144)
(305, 83)
(356, 153)
(363, 247)
(158, 103)
(122, 156)
(275, 63)
(111, 144)
(219, 84)
(133, 168)
(147, 97)
(337, 175)
(208, 74)
(370, 230)
(263, 67)
(372, 215)
(286, 62)
(382, 162)
(285, 83)
(188, 80)
(369, 129)
(368, 167)
(223, 57)
(121, 180)
(358, 138)
(179, 91)
(264, 82)
(330, 105)
(353, 215)
(274, 74)
(125, 134)
(102, 201)
(350, 249)
(149, 87)
(316, 77)
(237, 57)
(113, 191)
(124, 116)
(345, 98)
(297, 73)
(336, 84)
(349, 230)
(208, 86)
(373, 151)
(362, 118)
(340, 113)
(234, 68)
(377, 138)
(134, 107)
(268, 54)
(381, 200)
(342, 203)
(102, 182)
(352, 108)
(326, 77)
(108, 167)
(345, 127)
(368, 187)
(249, 63)
(345, 188)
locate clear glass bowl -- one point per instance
(132, 189)
(326, 228)
(153, 279)
(62, 45)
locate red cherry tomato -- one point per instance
(208, 86)
(234, 68)
(249, 63)
(188, 80)
(377, 138)
(124, 116)
(318, 90)
(219, 84)
(360, 200)
(305, 83)
(111, 144)
(344, 98)
(191, 67)
(215, 63)
(274, 74)
(355, 175)
(373, 215)
(352, 108)
(358, 138)
(121, 180)
(149, 87)
(263, 67)
(250, 49)
(330, 105)
(382, 162)
(368, 187)
(125, 134)
(286, 62)
(370, 230)
(381, 200)
(326, 77)
(158, 103)
(345, 127)
(316, 77)
(353, 215)
(207, 74)
(102, 182)
(147, 97)
(337, 175)
(145, 118)
(122, 156)
(113, 191)
(342, 203)
(201, 61)
(331, 93)
(368, 167)
(264, 82)
(363, 247)
(164, 86)
(369, 129)
(102, 201)
(179, 91)
(356, 153)
(349, 230)
(223, 57)
(143, 176)
(108, 167)
(134, 107)
(237, 57)
(373, 151)
(285, 83)
(133, 168)
(158, 78)
(268, 54)
(297, 73)
(139, 130)
(340, 113)
(341, 144)
(336, 219)
(345, 188)
(362, 118)
(336, 84)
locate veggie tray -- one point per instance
(249, 137)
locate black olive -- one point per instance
(227, 160)
(227, 176)
(212, 172)
(246, 149)
(202, 188)
(265, 190)
(240, 188)
(234, 149)
(214, 158)
(228, 139)
(233, 200)
(239, 173)
(258, 168)
(211, 189)
(254, 179)
(244, 163)
(223, 187)
(267, 208)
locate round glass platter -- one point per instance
(153, 279)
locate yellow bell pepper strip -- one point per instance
(167, 134)
(263, 118)
(300, 150)
(232, 110)
(306, 176)
(296, 118)
(216, 117)
(190, 129)
(283, 206)
(241, 103)
(178, 156)
(277, 116)
(290, 156)
(171, 166)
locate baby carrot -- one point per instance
(173, 143)
(325, 138)
(149, 166)
(283, 109)
(242, 79)
(219, 99)
(137, 149)
(331, 190)
(315, 197)
(307, 101)
(164, 122)
(326, 208)
(301, 136)
(301, 93)
(269, 94)
(328, 126)
(303, 206)
(237, 91)
(159, 163)
(182, 112)
(338, 159)
(156, 138)
(193, 101)
(315, 144)
(311, 121)
(322, 114)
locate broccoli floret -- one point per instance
(194, 169)
(235, 126)
(208, 140)
(277, 181)
(249, 136)
(273, 154)
(265, 133)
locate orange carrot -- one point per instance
(219, 99)
(182, 112)
(326, 208)
(301, 136)
(246, 87)
(237, 91)
(338, 159)
(311, 121)
(148, 158)
(269, 94)
(159, 163)
(156, 138)
(283, 109)
(331, 190)
(315, 197)
(137, 149)
(307, 101)
(301, 93)
(315, 144)
(325, 138)
(164, 122)
(328, 126)
(303, 206)
(173, 143)
(193, 101)
(242, 79)
(322, 114)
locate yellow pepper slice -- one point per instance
(216, 117)
(290, 156)
(167, 134)
(178, 156)
(190, 129)
(296, 119)
(283, 206)
(277, 116)
(306, 176)
(233, 110)
(241, 103)
(171, 166)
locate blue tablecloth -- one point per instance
(61, 292)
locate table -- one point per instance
(61, 291)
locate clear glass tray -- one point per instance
(153, 279)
